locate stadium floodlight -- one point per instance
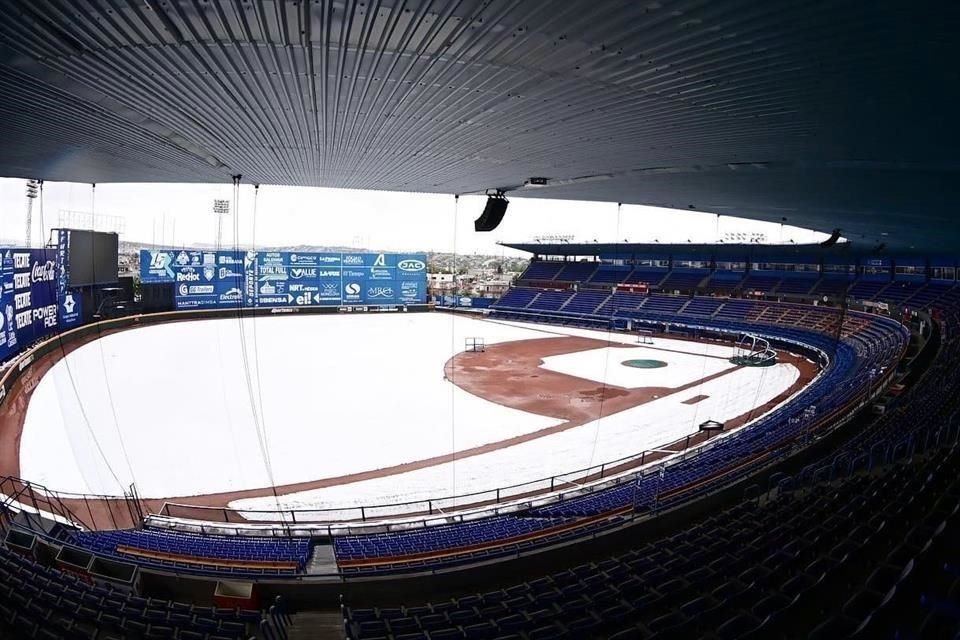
(33, 190)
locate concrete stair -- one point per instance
(316, 625)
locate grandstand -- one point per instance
(624, 467)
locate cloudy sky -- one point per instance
(181, 214)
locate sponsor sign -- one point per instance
(287, 278)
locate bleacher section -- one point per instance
(935, 292)
(576, 271)
(621, 302)
(653, 277)
(900, 292)
(832, 286)
(43, 602)
(610, 275)
(862, 539)
(664, 304)
(723, 282)
(872, 345)
(760, 283)
(518, 297)
(796, 285)
(171, 549)
(408, 545)
(798, 565)
(551, 300)
(542, 270)
(586, 301)
(683, 281)
(867, 289)
(703, 306)
(891, 492)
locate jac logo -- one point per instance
(299, 272)
(411, 265)
(380, 292)
(352, 289)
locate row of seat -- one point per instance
(918, 290)
(41, 601)
(192, 546)
(875, 347)
(861, 553)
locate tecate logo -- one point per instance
(411, 265)
(380, 292)
(352, 289)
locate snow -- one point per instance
(342, 394)
(338, 394)
(610, 438)
(606, 365)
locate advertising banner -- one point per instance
(214, 279)
(35, 313)
(8, 334)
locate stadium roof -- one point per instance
(841, 253)
(830, 114)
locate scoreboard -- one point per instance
(224, 279)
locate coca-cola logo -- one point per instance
(42, 272)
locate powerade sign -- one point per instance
(34, 300)
(214, 279)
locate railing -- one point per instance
(429, 512)
(84, 510)
(424, 512)
(33, 500)
(457, 508)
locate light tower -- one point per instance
(33, 189)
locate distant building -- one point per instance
(492, 288)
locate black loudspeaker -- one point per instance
(832, 240)
(492, 214)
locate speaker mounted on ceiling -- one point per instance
(832, 240)
(492, 213)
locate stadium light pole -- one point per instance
(33, 188)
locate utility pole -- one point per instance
(33, 189)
